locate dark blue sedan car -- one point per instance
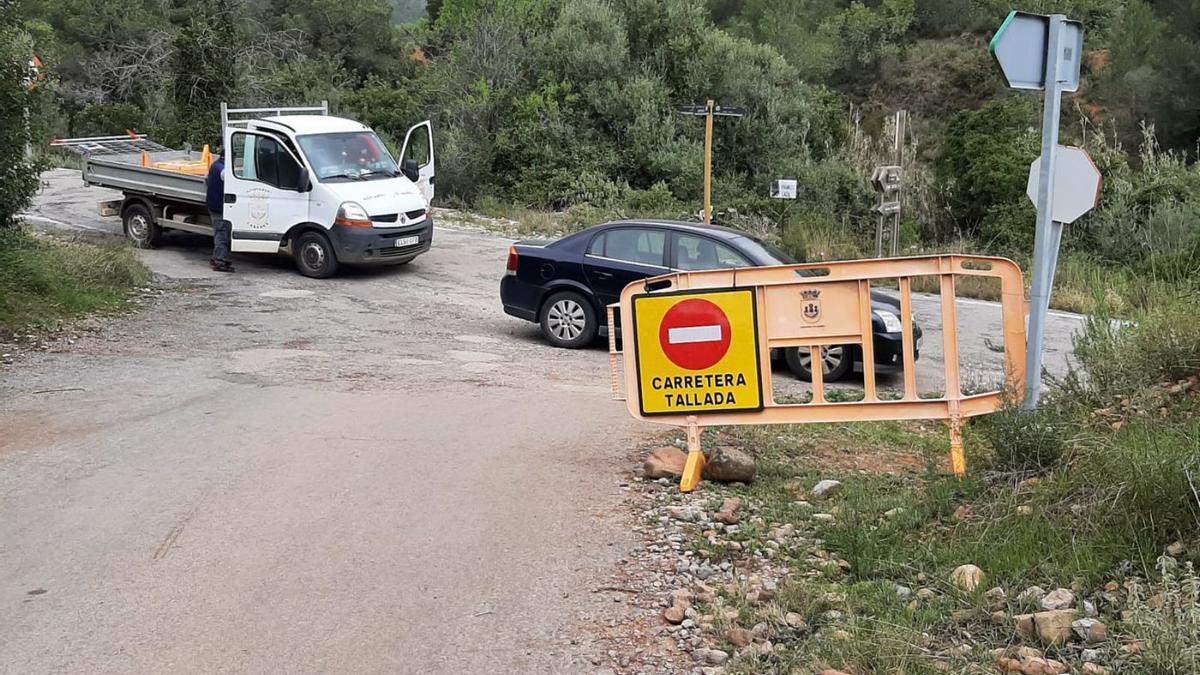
(565, 285)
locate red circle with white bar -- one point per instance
(695, 334)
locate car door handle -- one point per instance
(230, 198)
(602, 275)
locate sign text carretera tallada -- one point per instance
(697, 352)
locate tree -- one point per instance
(205, 73)
(358, 32)
(18, 175)
(985, 161)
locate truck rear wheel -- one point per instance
(314, 255)
(140, 227)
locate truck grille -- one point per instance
(403, 250)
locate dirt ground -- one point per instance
(379, 472)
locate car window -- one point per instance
(597, 246)
(356, 155)
(701, 253)
(264, 159)
(644, 247)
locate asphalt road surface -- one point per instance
(379, 472)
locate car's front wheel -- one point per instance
(836, 361)
(314, 255)
(568, 320)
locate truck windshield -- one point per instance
(355, 155)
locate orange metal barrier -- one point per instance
(191, 167)
(815, 305)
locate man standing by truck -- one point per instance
(222, 229)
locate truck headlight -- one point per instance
(891, 322)
(352, 214)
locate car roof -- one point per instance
(316, 124)
(718, 231)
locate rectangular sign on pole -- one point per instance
(697, 352)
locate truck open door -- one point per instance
(266, 190)
(417, 153)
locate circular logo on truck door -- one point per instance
(695, 334)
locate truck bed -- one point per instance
(125, 173)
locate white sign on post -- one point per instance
(784, 188)
(1076, 184)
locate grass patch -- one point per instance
(44, 280)
(1091, 489)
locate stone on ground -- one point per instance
(729, 511)
(1090, 630)
(827, 488)
(739, 637)
(729, 465)
(1054, 626)
(713, 657)
(665, 462)
(1059, 598)
(967, 577)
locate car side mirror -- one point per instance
(410, 169)
(302, 183)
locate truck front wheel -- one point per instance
(140, 227)
(314, 255)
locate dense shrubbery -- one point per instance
(565, 104)
(18, 177)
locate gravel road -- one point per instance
(379, 472)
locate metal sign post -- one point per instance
(1048, 234)
(709, 110)
(1041, 52)
(887, 180)
(901, 129)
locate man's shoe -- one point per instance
(220, 266)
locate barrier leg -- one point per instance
(958, 460)
(694, 467)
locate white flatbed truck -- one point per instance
(297, 180)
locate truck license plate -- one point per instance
(407, 241)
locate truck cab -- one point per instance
(327, 189)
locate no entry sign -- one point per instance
(694, 334)
(697, 352)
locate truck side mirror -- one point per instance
(302, 183)
(410, 169)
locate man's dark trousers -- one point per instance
(222, 238)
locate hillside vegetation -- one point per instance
(569, 105)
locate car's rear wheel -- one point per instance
(836, 361)
(568, 320)
(140, 227)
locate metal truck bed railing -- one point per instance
(95, 146)
(125, 173)
(239, 117)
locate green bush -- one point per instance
(18, 175)
(107, 119)
(1025, 440)
(985, 159)
(43, 279)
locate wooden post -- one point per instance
(708, 142)
(693, 470)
